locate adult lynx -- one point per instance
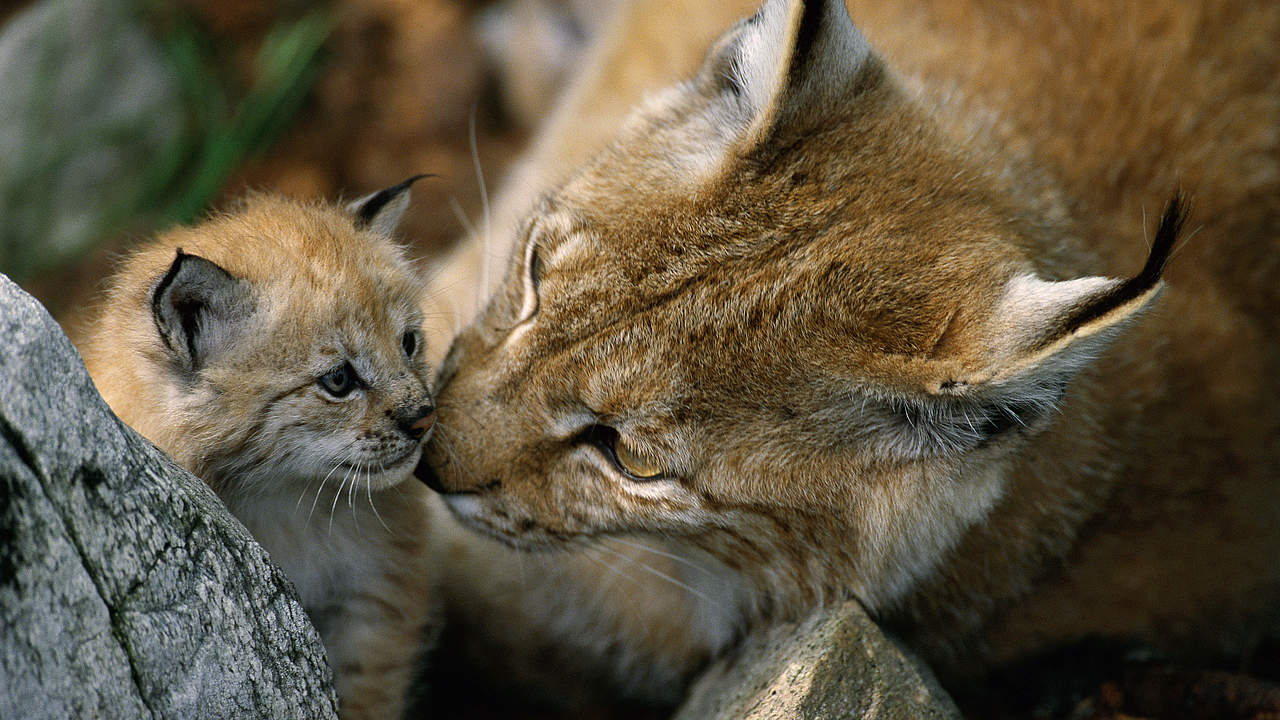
(883, 324)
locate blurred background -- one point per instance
(119, 118)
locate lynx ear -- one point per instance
(1040, 324)
(380, 212)
(792, 59)
(1039, 336)
(199, 308)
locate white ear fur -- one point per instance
(792, 56)
(1038, 336)
(198, 309)
(1025, 319)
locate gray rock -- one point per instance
(835, 664)
(89, 107)
(126, 590)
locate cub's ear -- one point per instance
(794, 60)
(199, 309)
(1038, 337)
(380, 212)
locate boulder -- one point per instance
(835, 664)
(126, 589)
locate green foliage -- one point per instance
(225, 134)
(122, 117)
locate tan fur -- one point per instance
(253, 424)
(768, 301)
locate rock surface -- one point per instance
(835, 664)
(90, 105)
(126, 590)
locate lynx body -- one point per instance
(882, 316)
(277, 352)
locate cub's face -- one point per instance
(287, 345)
(327, 384)
(780, 317)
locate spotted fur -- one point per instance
(214, 342)
(882, 309)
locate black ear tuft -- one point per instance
(198, 308)
(1172, 221)
(380, 211)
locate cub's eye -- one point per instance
(340, 381)
(631, 461)
(409, 343)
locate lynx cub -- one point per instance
(277, 353)
(877, 318)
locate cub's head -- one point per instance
(783, 316)
(275, 347)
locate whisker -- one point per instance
(614, 568)
(463, 412)
(658, 573)
(355, 481)
(360, 467)
(368, 489)
(298, 505)
(467, 226)
(318, 491)
(336, 497)
(453, 457)
(641, 546)
(484, 203)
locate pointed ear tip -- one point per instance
(1172, 222)
(406, 184)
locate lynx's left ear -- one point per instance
(1040, 324)
(380, 212)
(1015, 368)
(793, 60)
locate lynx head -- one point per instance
(783, 317)
(279, 344)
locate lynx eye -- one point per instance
(340, 381)
(631, 461)
(409, 343)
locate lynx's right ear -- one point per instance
(199, 308)
(380, 212)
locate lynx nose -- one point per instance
(418, 422)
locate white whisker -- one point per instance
(336, 497)
(355, 481)
(318, 491)
(614, 568)
(658, 573)
(467, 226)
(641, 546)
(368, 489)
(484, 203)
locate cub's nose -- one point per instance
(417, 422)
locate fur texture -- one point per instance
(886, 322)
(276, 352)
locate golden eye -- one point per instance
(635, 462)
